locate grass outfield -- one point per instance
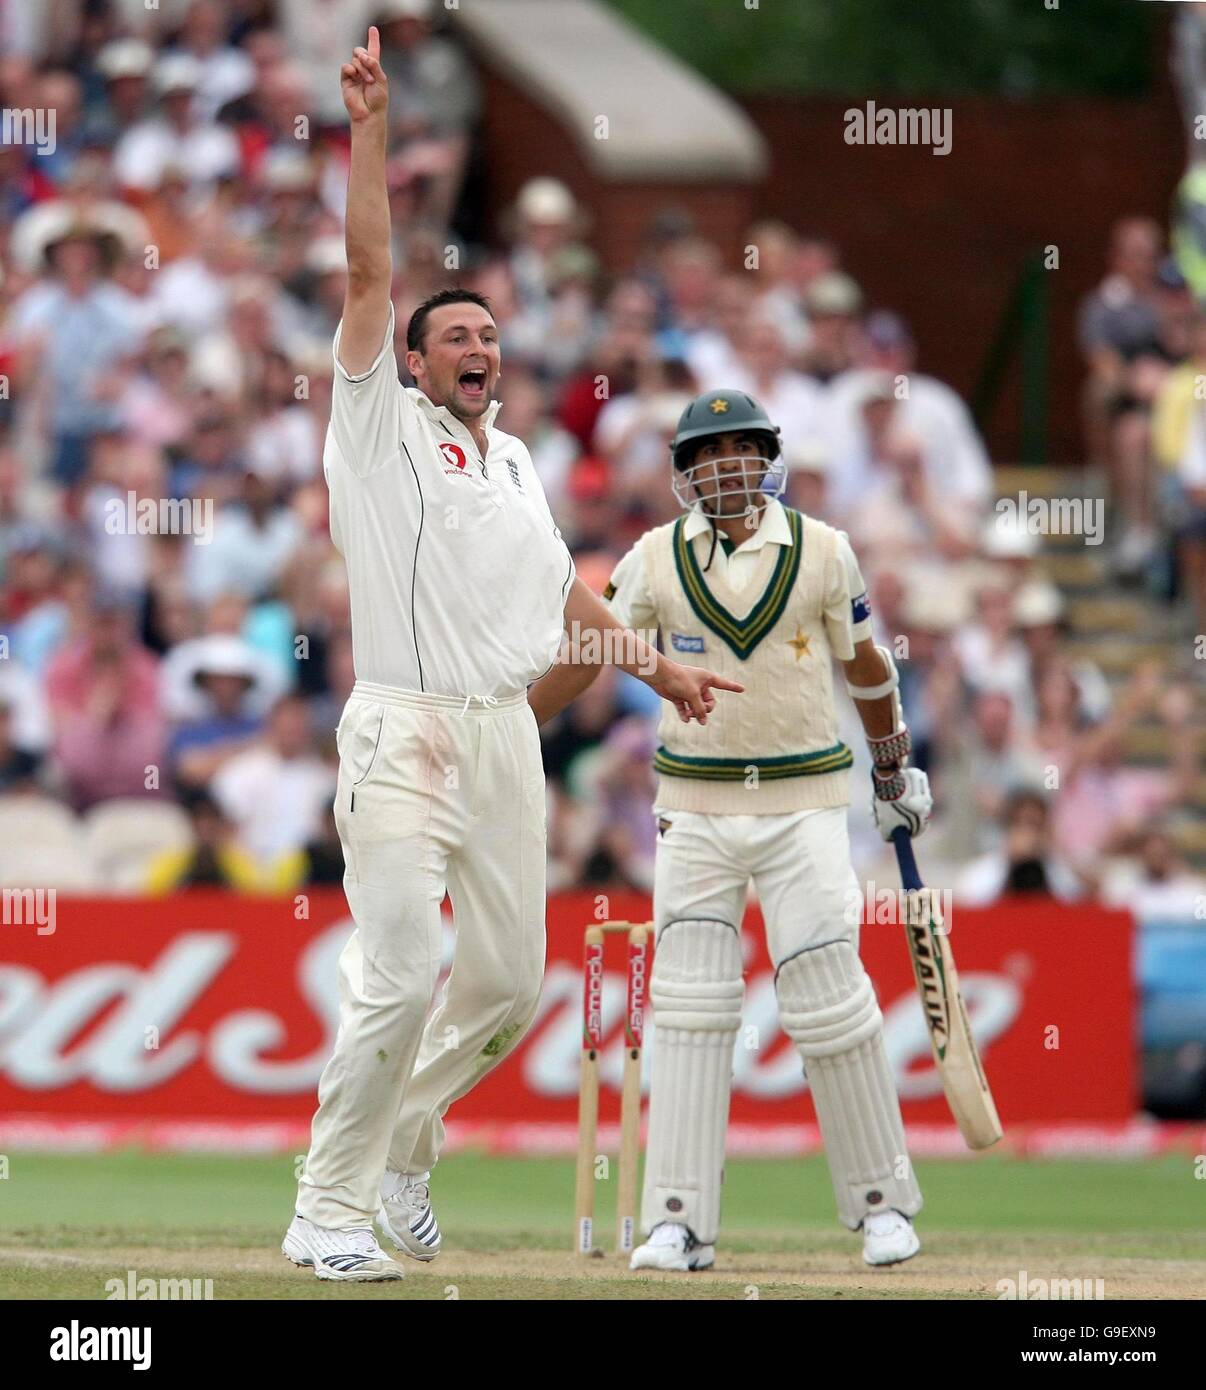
(69, 1224)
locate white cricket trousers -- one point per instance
(810, 898)
(435, 793)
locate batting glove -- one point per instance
(902, 799)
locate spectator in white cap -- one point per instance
(833, 302)
(1038, 616)
(125, 66)
(545, 219)
(1008, 543)
(175, 136)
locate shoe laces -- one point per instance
(363, 1240)
(412, 1190)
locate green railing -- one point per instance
(1023, 335)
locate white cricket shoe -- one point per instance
(889, 1238)
(671, 1246)
(406, 1215)
(351, 1253)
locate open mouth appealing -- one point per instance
(472, 381)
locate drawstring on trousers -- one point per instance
(488, 701)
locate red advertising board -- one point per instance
(216, 1009)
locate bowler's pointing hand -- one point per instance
(365, 90)
(689, 689)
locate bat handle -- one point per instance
(902, 841)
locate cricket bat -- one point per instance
(954, 1048)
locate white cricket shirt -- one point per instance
(457, 573)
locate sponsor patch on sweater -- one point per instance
(686, 644)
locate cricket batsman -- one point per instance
(768, 597)
(461, 587)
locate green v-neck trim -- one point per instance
(740, 635)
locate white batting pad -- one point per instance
(696, 991)
(827, 1005)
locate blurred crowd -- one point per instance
(173, 615)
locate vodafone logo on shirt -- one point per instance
(454, 458)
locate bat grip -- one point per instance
(902, 842)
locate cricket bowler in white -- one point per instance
(461, 588)
(769, 597)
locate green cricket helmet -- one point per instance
(725, 412)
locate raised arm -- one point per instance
(367, 231)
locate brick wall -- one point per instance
(941, 239)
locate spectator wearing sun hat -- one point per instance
(72, 327)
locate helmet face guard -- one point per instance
(731, 485)
(746, 480)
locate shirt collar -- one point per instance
(441, 412)
(772, 530)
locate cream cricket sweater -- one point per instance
(775, 748)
